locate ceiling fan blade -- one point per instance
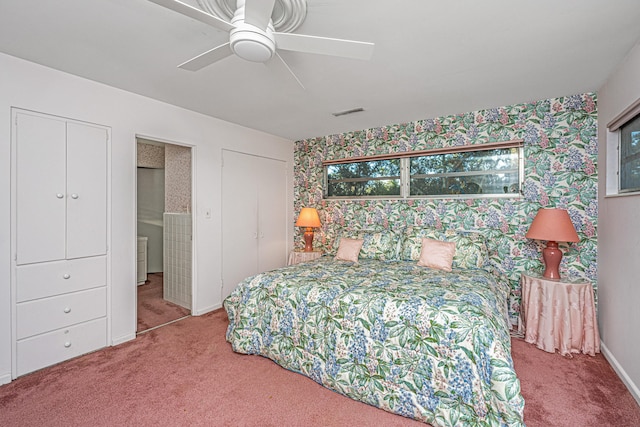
(280, 66)
(258, 12)
(324, 45)
(195, 13)
(207, 58)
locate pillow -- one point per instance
(381, 245)
(471, 248)
(349, 249)
(437, 254)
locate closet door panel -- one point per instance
(86, 190)
(239, 219)
(272, 214)
(40, 189)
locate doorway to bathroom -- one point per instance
(164, 233)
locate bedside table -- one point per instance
(559, 315)
(297, 256)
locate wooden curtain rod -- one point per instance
(446, 150)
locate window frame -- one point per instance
(621, 157)
(325, 185)
(405, 174)
(614, 142)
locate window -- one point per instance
(623, 152)
(469, 171)
(475, 172)
(629, 179)
(364, 179)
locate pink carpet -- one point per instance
(153, 310)
(185, 374)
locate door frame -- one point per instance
(194, 234)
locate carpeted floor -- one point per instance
(153, 310)
(185, 374)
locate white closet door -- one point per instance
(272, 199)
(40, 189)
(239, 219)
(86, 190)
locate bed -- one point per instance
(422, 342)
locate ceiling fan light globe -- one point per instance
(252, 51)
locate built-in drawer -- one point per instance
(47, 314)
(47, 349)
(59, 277)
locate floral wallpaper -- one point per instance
(560, 149)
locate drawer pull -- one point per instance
(66, 276)
(74, 196)
(67, 344)
(67, 310)
(59, 195)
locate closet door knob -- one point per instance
(67, 310)
(66, 276)
(67, 344)
(59, 195)
(74, 196)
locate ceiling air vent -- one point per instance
(344, 113)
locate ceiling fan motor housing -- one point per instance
(252, 43)
(248, 41)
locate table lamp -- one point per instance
(552, 225)
(308, 218)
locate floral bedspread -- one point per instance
(418, 342)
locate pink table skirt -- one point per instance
(559, 316)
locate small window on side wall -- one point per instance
(623, 153)
(629, 168)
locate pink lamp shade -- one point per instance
(308, 218)
(552, 225)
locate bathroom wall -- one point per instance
(150, 155)
(177, 163)
(151, 200)
(177, 259)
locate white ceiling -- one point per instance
(432, 57)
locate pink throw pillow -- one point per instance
(349, 249)
(437, 254)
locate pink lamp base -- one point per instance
(308, 240)
(552, 256)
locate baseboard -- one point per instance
(123, 339)
(5, 379)
(206, 310)
(633, 388)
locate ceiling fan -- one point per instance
(252, 36)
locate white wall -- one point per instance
(619, 237)
(31, 86)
